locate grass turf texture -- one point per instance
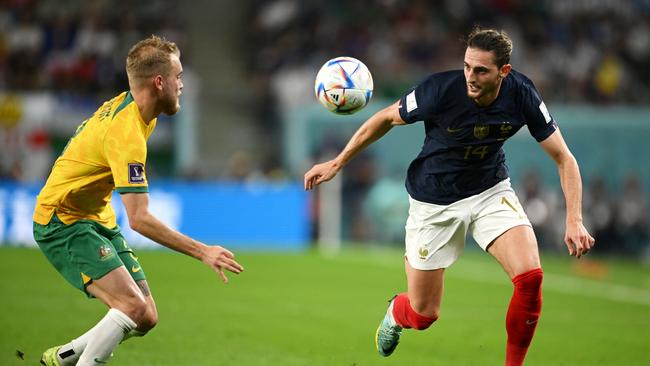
(308, 309)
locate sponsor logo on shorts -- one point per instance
(136, 173)
(135, 269)
(105, 252)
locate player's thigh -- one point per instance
(496, 211)
(117, 290)
(516, 250)
(435, 235)
(78, 251)
(425, 289)
(128, 257)
(134, 267)
(501, 227)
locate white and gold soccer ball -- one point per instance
(344, 85)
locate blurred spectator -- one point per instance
(599, 212)
(359, 178)
(25, 39)
(541, 207)
(632, 216)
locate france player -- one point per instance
(459, 183)
(74, 223)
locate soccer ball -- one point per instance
(343, 85)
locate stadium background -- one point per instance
(228, 169)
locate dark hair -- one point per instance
(493, 40)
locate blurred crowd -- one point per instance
(619, 221)
(587, 51)
(75, 46)
(58, 60)
(593, 51)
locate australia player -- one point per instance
(459, 184)
(74, 223)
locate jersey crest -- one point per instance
(481, 131)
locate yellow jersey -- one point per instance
(108, 151)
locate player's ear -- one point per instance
(505, 70)
(158, 82)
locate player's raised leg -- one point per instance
(417, 309)
(69, 354)
(128, 308)
(516, 250)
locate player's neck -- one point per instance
(146, 104)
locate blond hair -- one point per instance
(150, 57)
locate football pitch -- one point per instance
(309, 309)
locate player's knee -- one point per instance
(530, 281)
(148, 321)
(134, 306)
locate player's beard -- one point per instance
(483, 89)
(170, 104)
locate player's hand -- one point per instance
(220, 258)
(320, 173)
(577, 239)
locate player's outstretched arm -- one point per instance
(577, 238)
(370, 131)
(142, 221)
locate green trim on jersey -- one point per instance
(128, 99)
(132, 189)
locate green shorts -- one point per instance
(85, 251)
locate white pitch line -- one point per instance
(478, 271)
(562, 283)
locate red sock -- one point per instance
(406, 317)
(523, 313)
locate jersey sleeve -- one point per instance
(420, 103)
(540, 122)
(125, 148)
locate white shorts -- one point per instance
(435, 234)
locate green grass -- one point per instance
(308, 309)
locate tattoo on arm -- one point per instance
(143, 287)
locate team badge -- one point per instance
(136, 173)
(481, 131)
(105, 252)
(504, 129)
(423, 252)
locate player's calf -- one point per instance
(523, 314)
(407, 317)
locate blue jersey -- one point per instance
(462, 153)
